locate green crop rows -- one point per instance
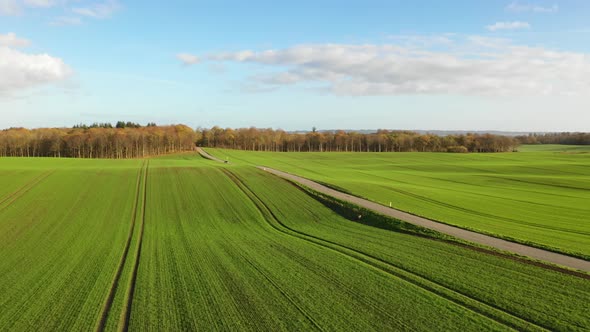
(181, 243)
(538, 198)
(555, 148)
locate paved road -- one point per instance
(460, 233)
(208, 156)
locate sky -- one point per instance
(431, 65)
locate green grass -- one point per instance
(210, 254)
(537, 198)
(60, 242)
(554, 148)
(524, 291)
(229, 247)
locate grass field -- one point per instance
(181, 243)
(536, 197)
(553, 148)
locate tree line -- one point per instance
(125, 140)
(556, 138)
(256, 139)
(131, 140)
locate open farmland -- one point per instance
(182, 243)
(539, 198)
(554, 148)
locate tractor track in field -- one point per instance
(283, 292)
(464, 234)
(15, 195)
(100, 325)
(126, 312)
(489, 311)
(305, 262)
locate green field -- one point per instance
(553, 148)
(182, 243)
(537, 197)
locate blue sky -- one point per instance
(458, 65)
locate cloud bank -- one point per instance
(473, 66)
(20, 70)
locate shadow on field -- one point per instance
(368, 217)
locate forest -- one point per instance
(256, 139)
(125, 140)
(132, 140)
(556, 138)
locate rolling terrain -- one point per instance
(182, 243)
(536, 198)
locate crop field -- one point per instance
(183, 243)
(553, 148)
(538, 198)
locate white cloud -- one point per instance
(9, 8)
(11, 40)
(518, 7)
(188, 59)
(470, 66)
(16, 7)
(40, 3)
(99, 10)
(66, 21)
(20, 71)
(508, 26)
(74, 16)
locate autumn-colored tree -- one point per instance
(97, 141)
(255, 139)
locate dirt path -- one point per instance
(460, 233)
(204, 154)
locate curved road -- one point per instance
(205, 155)
(490, 241)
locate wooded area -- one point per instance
(127, 140)
(556, 138)
(382, 141)
(131, 140)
